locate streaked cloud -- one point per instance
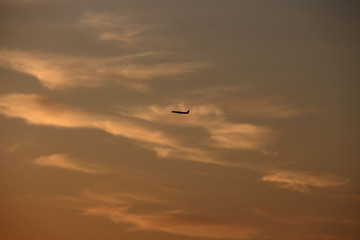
(36, 109)
(218, 91)
(14, 147)
(223, 134)
(113, 27)
(241, 136)
(64, 161)
(304, 181)
(118, 208)
(200, 115)
(63, 71)
(329, 237)
(267, 107)
(158, 70)
(118, 198)
(23, 2)
(39, 110)
(330, 220)
(273, 122)
(174, 222)
(301, 219)
(244, 100)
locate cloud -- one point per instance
(222, 133)
(21, 2)
(14, 147)
(114, 27)
(174, 222)
(303, 181)
(157, 70)
(62, 71)
(118, 208)
(200, 115)
(241, 136)
(191, 154)
(330, 220)
(300, 219)
(267, 107)
(117, 198)
(329, 237)
(39, 110)
(241, 100)
(64, 161)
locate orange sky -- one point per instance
(89, 148)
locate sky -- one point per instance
(89, 148)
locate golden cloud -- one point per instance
(223, 133)
(117, 207)
(174, 222)
(62, 71)
(64, 161)
(39, 110)
(302, 181)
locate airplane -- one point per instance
(179, 112)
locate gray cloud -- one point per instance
(112, 27)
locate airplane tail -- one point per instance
(188, 111)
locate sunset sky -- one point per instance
(89, 148)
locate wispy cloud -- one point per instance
(116, 198)
(157, 70)
(39, 110)
(23, 2)
(242, 136)
(118, 208)
(303, 181)
(14, 147)
(62, 71)
(300, 219)
(200, 114)
(175, 222)
(244, 100)
(108, 26)
(267, 107)
(64, 161)
(329, 237)
(223, 134)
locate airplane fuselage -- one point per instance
(180, 112)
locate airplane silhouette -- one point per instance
(180, 112)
